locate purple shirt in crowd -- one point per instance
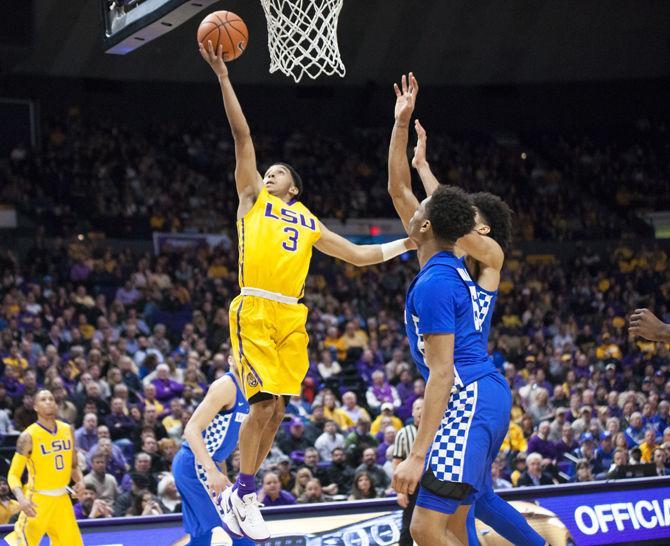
(545, 448)
(284, 499)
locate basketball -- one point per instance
(226, 29)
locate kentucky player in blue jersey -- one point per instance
(484, 249)
(211, 436)
(444, 327)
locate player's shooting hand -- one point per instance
(403, 500)
(214, 58)
(645, 324)
(217, 482)
(419, 159)
(28, 507)
(407, 475)
(405, 98)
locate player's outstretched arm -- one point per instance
(24, 446)
(399, 175)
(247, 178)
(221, 394)
(439, 356)
(420, 163)
(483, 249)
(360, 255)
(645, 324)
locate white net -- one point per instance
(302, 37)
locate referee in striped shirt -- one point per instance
(401, 448)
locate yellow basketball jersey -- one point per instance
(276, 240)
(50, 462)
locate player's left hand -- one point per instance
(407, 475)
(645, 324)
(405, 98)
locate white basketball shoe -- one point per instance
(248, 515)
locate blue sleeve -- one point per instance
(436, 307)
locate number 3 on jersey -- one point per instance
(291, 244)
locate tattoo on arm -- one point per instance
(24, 445)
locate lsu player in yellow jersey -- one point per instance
(46, 449)
(267, 322)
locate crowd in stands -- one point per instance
(128, 345)
(104, 176)
(129, 342)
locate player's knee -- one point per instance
(262, 411)
(421, 532)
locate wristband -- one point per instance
(393, 249)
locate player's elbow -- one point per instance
(241, 134)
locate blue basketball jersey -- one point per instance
(222, 433)
(443, 299)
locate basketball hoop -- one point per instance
(302, 37)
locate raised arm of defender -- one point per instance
(337, 246)
(399, 176)
(247, 178)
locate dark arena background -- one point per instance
(119, 253)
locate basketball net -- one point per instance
(302, 37)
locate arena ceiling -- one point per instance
(464, 42)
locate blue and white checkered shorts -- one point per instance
(468, 440)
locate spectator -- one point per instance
(359, 440)
(331, 411)
(619, 460)
(295, 440)
(584, 422)
(146, 505)
(150, 447)
(605, 452)
(104, 483)
(25, 414)
(649, 445)
(272, 493)
(584, 472)
(86, 436)
(659, 460)
(167, 449)
(168, 495)
(541, 409)
(329, 440)
(339, 472)
(387, 441)
(540, 443)
(352, 409)
(387, 411)
(311, 462)
(302, 476)
(119, 423)
(556, 426)
(150, 400)
(635, 430)
(172, 421)
(496, 475)
(149, 421)
(379, 478)
(90, 506)
(166, 388)
(116, 462)
(363, 487)
(142, 467)
(313, 493)
(8, 506)
(66, 410)
(534, 475)
(328, 367)
(138, 484)
(381, 392)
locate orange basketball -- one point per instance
(225, 28)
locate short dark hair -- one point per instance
(297, 180)
(497, 215)
(451, 213)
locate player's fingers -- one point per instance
(219, 52)
(634, 330)
(410, 488)
(397, 90)
(403, 81)
(415, 84)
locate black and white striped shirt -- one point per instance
(404, 441)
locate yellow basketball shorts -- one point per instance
(55, 518)
(269, 343)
